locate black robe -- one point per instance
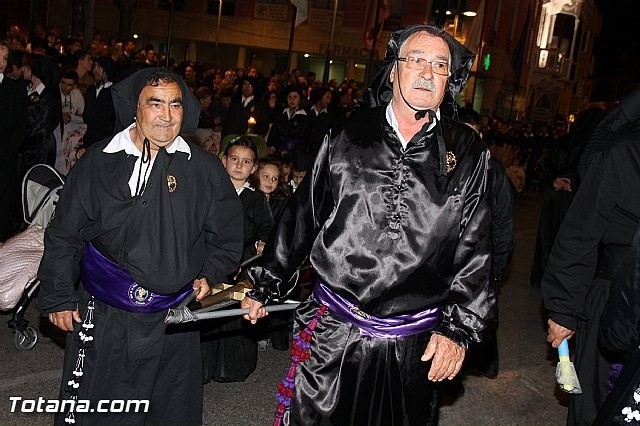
(592, 242)
(385, 229)
(165, 239)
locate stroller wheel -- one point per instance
(26, 339)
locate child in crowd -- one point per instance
(241, 161)
(270, 179)
(229, 346)
(299, 168)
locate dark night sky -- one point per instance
(617, 51)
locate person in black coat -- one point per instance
(44, 111)
(561, 180)
(290, 131)
(321, 119)
(99, 114)
(13, 115)
(592, 242)
(246, 106)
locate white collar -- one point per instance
(246, 185)
(122, 142)
(1, 76)
(298, 111)
(314, 109)
(245, 101)
(39, 88)
(393, 121)
(105, 85)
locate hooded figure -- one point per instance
(145, 220)
(126, 93)
(395, 218)
(380, 91)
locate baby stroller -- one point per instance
(20, 256)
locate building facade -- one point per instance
(534, 57)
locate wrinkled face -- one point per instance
(4, 57)
(423, 89)
(66, 85)
(269, 177)
(159, 114)
(293, 100)
(240, 162)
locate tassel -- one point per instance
(300, 352)
(86, 340)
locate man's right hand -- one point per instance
(557, 333)
(256, 309)
(64, 319)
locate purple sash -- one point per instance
(385, 328)
(102, 279)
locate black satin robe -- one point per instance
(384, 229)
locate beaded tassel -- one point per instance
(86, 341)
(300, 352)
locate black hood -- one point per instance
(380, 90)
(127, 92)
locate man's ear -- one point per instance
(392, 74)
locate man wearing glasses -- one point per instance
(395, 217)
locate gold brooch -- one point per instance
(172, 183)
(451, 161)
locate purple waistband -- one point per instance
(398, 326)
(104, 281)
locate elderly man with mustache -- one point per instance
(396, 218)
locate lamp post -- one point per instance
(327, 60)
(169, 25)
(218, 34)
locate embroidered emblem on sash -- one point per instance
(172, 183)
(452, 161)
(139, 295)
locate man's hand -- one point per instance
(64, 319)
(557, 333)
(202, 287)
(562, 184)
(256, 309)
(447, 358)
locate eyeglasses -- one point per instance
(416, 63)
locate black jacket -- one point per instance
(99, 115)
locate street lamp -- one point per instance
(327, 64)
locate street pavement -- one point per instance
(524, 393)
